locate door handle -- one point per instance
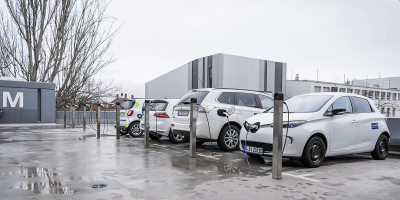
(354, 121)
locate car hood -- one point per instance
(268, 118)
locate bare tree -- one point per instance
(58, 41)
(380, 103)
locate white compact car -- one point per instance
(129, 120)
(239, 104)
(160, 120)
(321, 125)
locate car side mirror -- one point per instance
(221, 112)
(338, 111)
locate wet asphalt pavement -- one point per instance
(55, 163)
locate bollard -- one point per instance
(146, 122)
(73, 116)
(117, 123)
(277, 136)
(193, 127)
(98, 120)
(65, 117)
(84, 117)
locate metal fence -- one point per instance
(105, 117)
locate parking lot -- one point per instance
(50, 162)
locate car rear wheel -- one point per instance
(228, 140)
(134, 130)
(314, 152)
(381, 148)
(176, 138)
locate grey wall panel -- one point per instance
(284, 76)
(48, 106)
(189, 66)
(241, 72)
(172, 85)
(271, 76)
(262, 74)
(26, 84)
(219, 70)
(195, 74)
(25, 112)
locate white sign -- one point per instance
(13, 103)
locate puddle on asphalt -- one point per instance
(31, 172)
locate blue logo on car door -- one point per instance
(374, 126)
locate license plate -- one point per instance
(183, 113)
(142, 125)
(122, 114)
(253, 150)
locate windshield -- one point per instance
(305, 103)
(200, 95)
(127, 104)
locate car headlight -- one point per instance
(291, 124)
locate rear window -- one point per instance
(127, 104)
(246, 99)
(227, 97)
(361, 105)
(200, 95)
(158, 106)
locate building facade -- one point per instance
(219, 71)
(388, 83)
(387, 100)
(26, 102)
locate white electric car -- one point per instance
(160, 113)
(211, 122)
(320, 125)
(129, 120)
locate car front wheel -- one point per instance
(381, 148)
(134, 130)
(314, 152)
(229, 139)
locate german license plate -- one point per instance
(142, 125)
(183, 113)
(253, 150)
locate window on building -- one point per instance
(326, 89)
(388, 112)
(371, 94)
(382, 111)
(357, 91)
(246, 99)
(376, 95)
(361, 105)
(364, 93)
(388, 95)
(334, 89)
(394, 96)
(227, 97)
(394, 112)
(343, 90)
(383, 94)
(349, 90)
(317, 89)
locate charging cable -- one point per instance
(209, 131)
(283, 150)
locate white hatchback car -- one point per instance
(321, 125)
(240, 104)
(160, 120)
(129, 120)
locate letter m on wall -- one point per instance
(13, 103)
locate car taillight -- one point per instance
(162, 115)
(130, 112)
(172, 125)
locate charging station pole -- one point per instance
(193, 123)
(84, 117)
(73, 116)
(146, 122)
(65, 117)
(98, 120)
(277, 136)
(117, 123)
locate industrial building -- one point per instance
(387, 100)
(219, 71)
(26, 102)
(389, 82)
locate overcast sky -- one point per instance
(358, 37)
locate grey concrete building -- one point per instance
(388, 82)
(26, 102)
(219, 71)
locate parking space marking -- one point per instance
(160, 145)
(303, 177)
(207, 156)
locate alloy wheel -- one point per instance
(179, 137)
(231, 138)
(135, 129)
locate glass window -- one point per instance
(266, 102)
(371, 94)
(334, 89)
(200, 95)
(361, 105)
(383, 94)
(394, 96)
(357, 91)
(227, 97)
(343, 90)
(317, 89)
(245, 99)
(388, 95)
(349, 90)
(342, 102)
(388, 112)
(376, 95)
(159, 106)
(305, 103)
(394, 112)
(326, 89)
(127, 104)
